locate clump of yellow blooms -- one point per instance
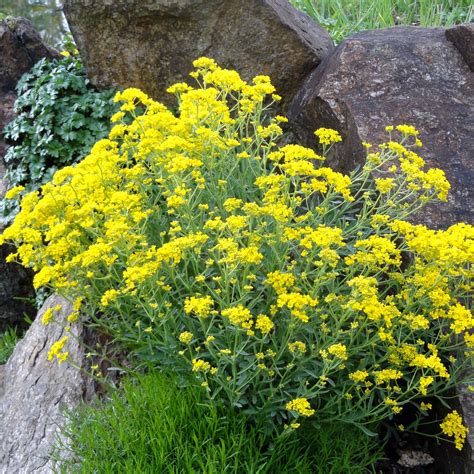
(301, 406)
(57, 350)
(185, 337)
(275, 281)
(453, 426)
(200, 306)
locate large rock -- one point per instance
(399, 75)
(35, 391)
(462, 36)
(20, 48)
(151, 44)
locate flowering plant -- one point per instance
(59, 117)
(287, 289)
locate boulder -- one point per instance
(151, 44)
(20, 48)
(403, 75)
(36, 390)
(462, 36)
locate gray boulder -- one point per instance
(151, 44)
(36, 390)
(399, 75)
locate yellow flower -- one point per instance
(301, 406)
(407, 130)
(338, 350)
(48, 315)
(452, 426)
(296, 303)
(426, 406)
(424, 383)
(199, 305)
(199, 365)
(56, 348)
(462, 318)
(393, 405)
(297, 347)
(108, 297)
(73, 317)
(387, 375)
(239, 316)
(384, 185)
(231, 204)
(205, 63)
(280, 281)
(178, 88)
(327, 136)
(264, 324)
(185, 337)
(359, 376)
(13, 192)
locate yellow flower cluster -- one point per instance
(200, 306)
(327, 136)
(359, 376)
(301, 406)
(297, 303)
(56, 350)
(194, 235)
(185, 337)
(239, 316)
(264, 324)
(48, 315)
(453, 426)
(338, 350)
(297, 347)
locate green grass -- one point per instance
(154, 427)
(344, 17)
(8, 340)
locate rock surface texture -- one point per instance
(462, 36)
(20, 48)
(388, 77)
(35, 390)
(151, 44)
(464, 462)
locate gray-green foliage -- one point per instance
(345, 17)
(60, 116)
(153, 426)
